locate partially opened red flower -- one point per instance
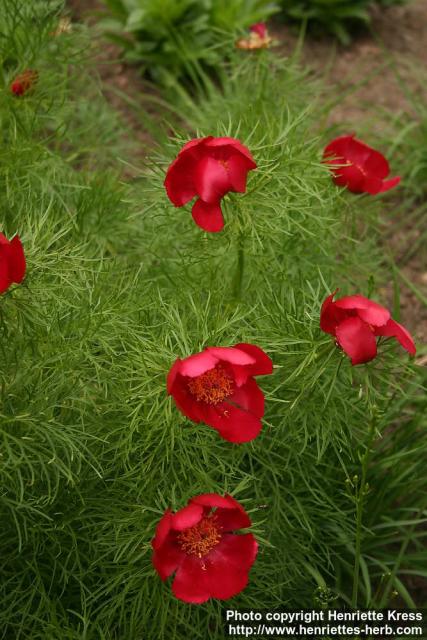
(259, 38)
(356, 322)
(217, 387)
(199, 544)
(363, 170)
(24, 82)
(208, 168)
(260, 28)
(12, 262)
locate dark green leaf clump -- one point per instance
(174, 39)
(337, 17)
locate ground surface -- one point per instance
(363, 79)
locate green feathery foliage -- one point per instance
(120, 284)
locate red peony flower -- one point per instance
(356, 321)
(260, 28)
(208, 168)
(24, 82)
(364, 170)
(259, 38)
(12, 262)
(217, 387)
(198, 543)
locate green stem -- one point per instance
(360, 500)
(239, 271)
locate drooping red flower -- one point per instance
(259, 38)
(208, 168)
(217, 387)
(12, 262)
(356, 322)
(364, 169)
(260, 28)
(199, 544)
(24, 82)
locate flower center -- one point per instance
(213, 386)
(202, 538)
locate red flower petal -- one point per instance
(233, 519)
(194, 144)
(395, 330)
(17, 263)
(17, 88)
(233, 355)
(211, 179)
(260, 28)
(208, 216)
(189, 584)
(376, 164)
(235, 145)
(187, 517)
(5, 280)
(263, 364)
(167, 559)
(198, 363)
(179, 182)
(186, 403)
(162, 530)
(239, 550)
(222, 575)
(225, 580)
(390, 184)
(331, 315)
(250, 398)
(215, 500)
(349, 176)
(226, 504)
(172, 375)
(208, 413)
(357, 340)
(372, 185)
(338, 148)
(351, 149)
(237, 172)
(234, 424)
(228, 565)
(177, 386)
(368, 310)
(230, 514)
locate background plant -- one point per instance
(337, 17)
(175, 39)
(119, 284)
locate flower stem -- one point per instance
(240, 266)
(239, 270)
(361, 492)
